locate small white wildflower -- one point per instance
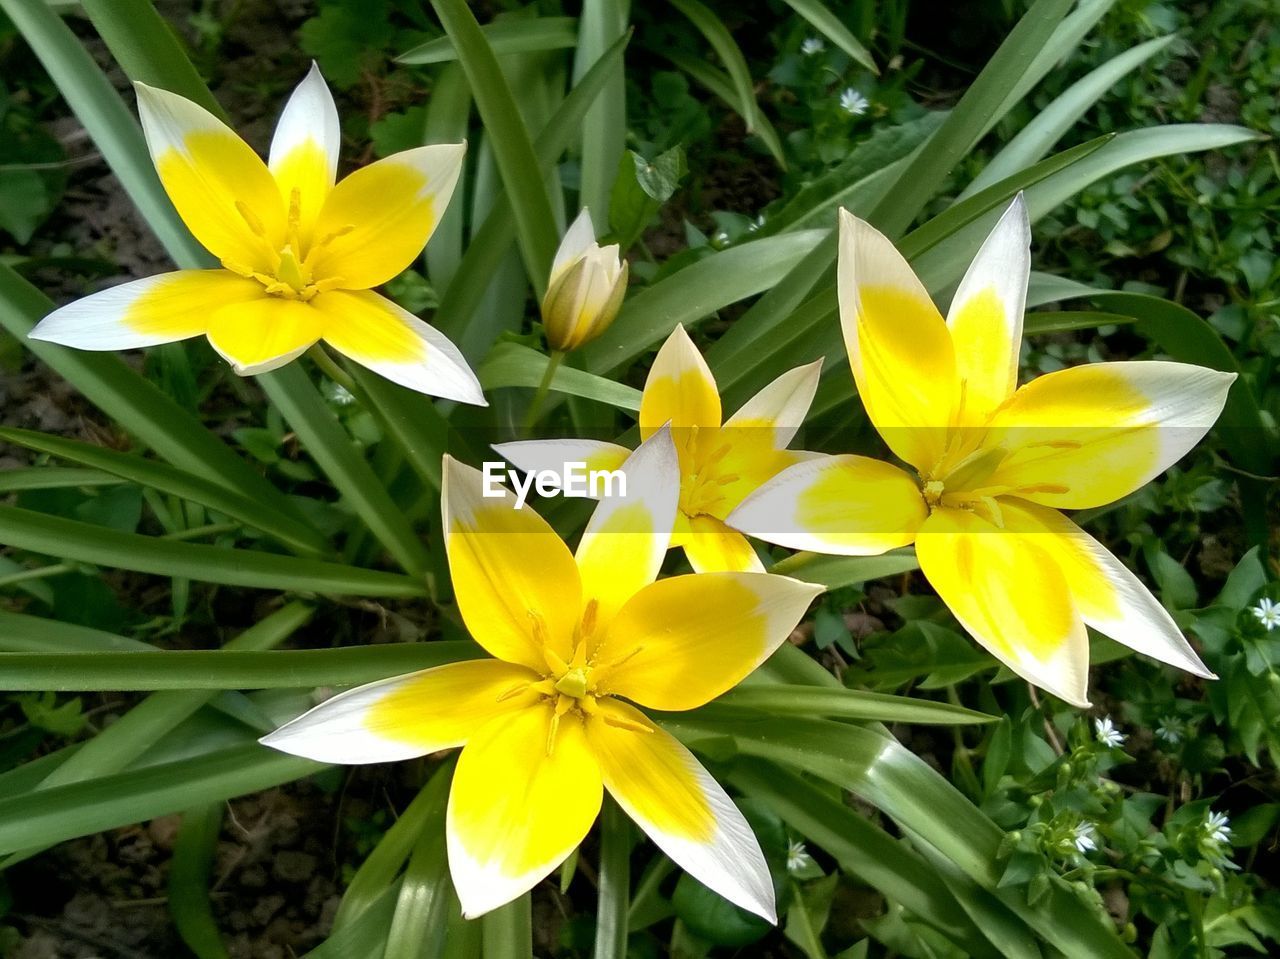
(853, 102)
(1216, 828)
(1171, 729)
(1108, 735)
(1267, 612)
(1084, 838)
(812, 45)
(339, 395)
(798, 859)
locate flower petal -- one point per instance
(711, 546)
(304, 150)
(517, 809)
(406, 716)
(1087, 436)
(533, 456)
(660, 785)
(376, 221)
(627, 537)
(578, 238)
(512, 575)
(394, 343)
(220, 187)
(683, 641)
(1008, 591)
(679, 390)
(899, 347)
(261, 335)
(986, 315)
(779, 409)
(155, 309)
(846, 505)
(1110, 598)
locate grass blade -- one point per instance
(722, 42)
(505, 36)
(190, 872)
(87, 543)
(508, 930)
(793, 700)
(828, 24)
(604, 132)
(418, 925)
(615, 882)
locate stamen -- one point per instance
(1044, 488)
(589, 616)
(251, 218)
(330, 237)
(513, 692)
(563, 705)
(617, 722)
(727, 479)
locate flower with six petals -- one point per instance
(546, 725)
(993, 464)
(300, 253)
(720, 462)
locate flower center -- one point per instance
(290, 266)
(702, 489)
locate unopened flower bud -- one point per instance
(586, 288)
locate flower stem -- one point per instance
(320, 356)
(553, 364)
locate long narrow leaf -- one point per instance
(87, 543)
(505, 36)
(829, 25)
(722, 42)
(190, 872)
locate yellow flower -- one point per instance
(586, 288)
(719, 463)
(546, 726)
(993, 464)
(299, 253)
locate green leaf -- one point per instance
(87, 543)
(722, 42)
(640, 187)
(456, 316)
(55, 815)
(523, 35)
(829, 25)
(982, 103)
(694, 293)
(134, 402)
(722, 86)
(1052, 123)
(168, 479)
(190, 873)
(836, 572)
(510, 364)
(602, 24)
(508, 930)
(103, 114)
(224, 669)
(512, 149)
(792, 700)
(614, 890)
(333, 449)
(53, 477)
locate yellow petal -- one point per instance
(713, 547)
(264, 334)
(1089, 435)
(1110, 598)
(376, 221)
(516, 582)
(156, 309)
(683, 641)
(627, 537)
(407, 716)
(680, 807)
(220, 187)
(1008, 591)
(846, 505)
(515, 810)
(986, 315)
(394, 343)
(899, 346)
(679, 389)
(304, 150)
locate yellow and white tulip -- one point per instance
(993, 464)
(549, 723)
(721, 462)
(300, 252)
(586, 288)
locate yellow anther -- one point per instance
(251, 218)
(619, 723)
(1044, 488)
(727, 479)
(563, 705)
(514, 691)
(933, 490)
(589, 616)
(330, 237)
